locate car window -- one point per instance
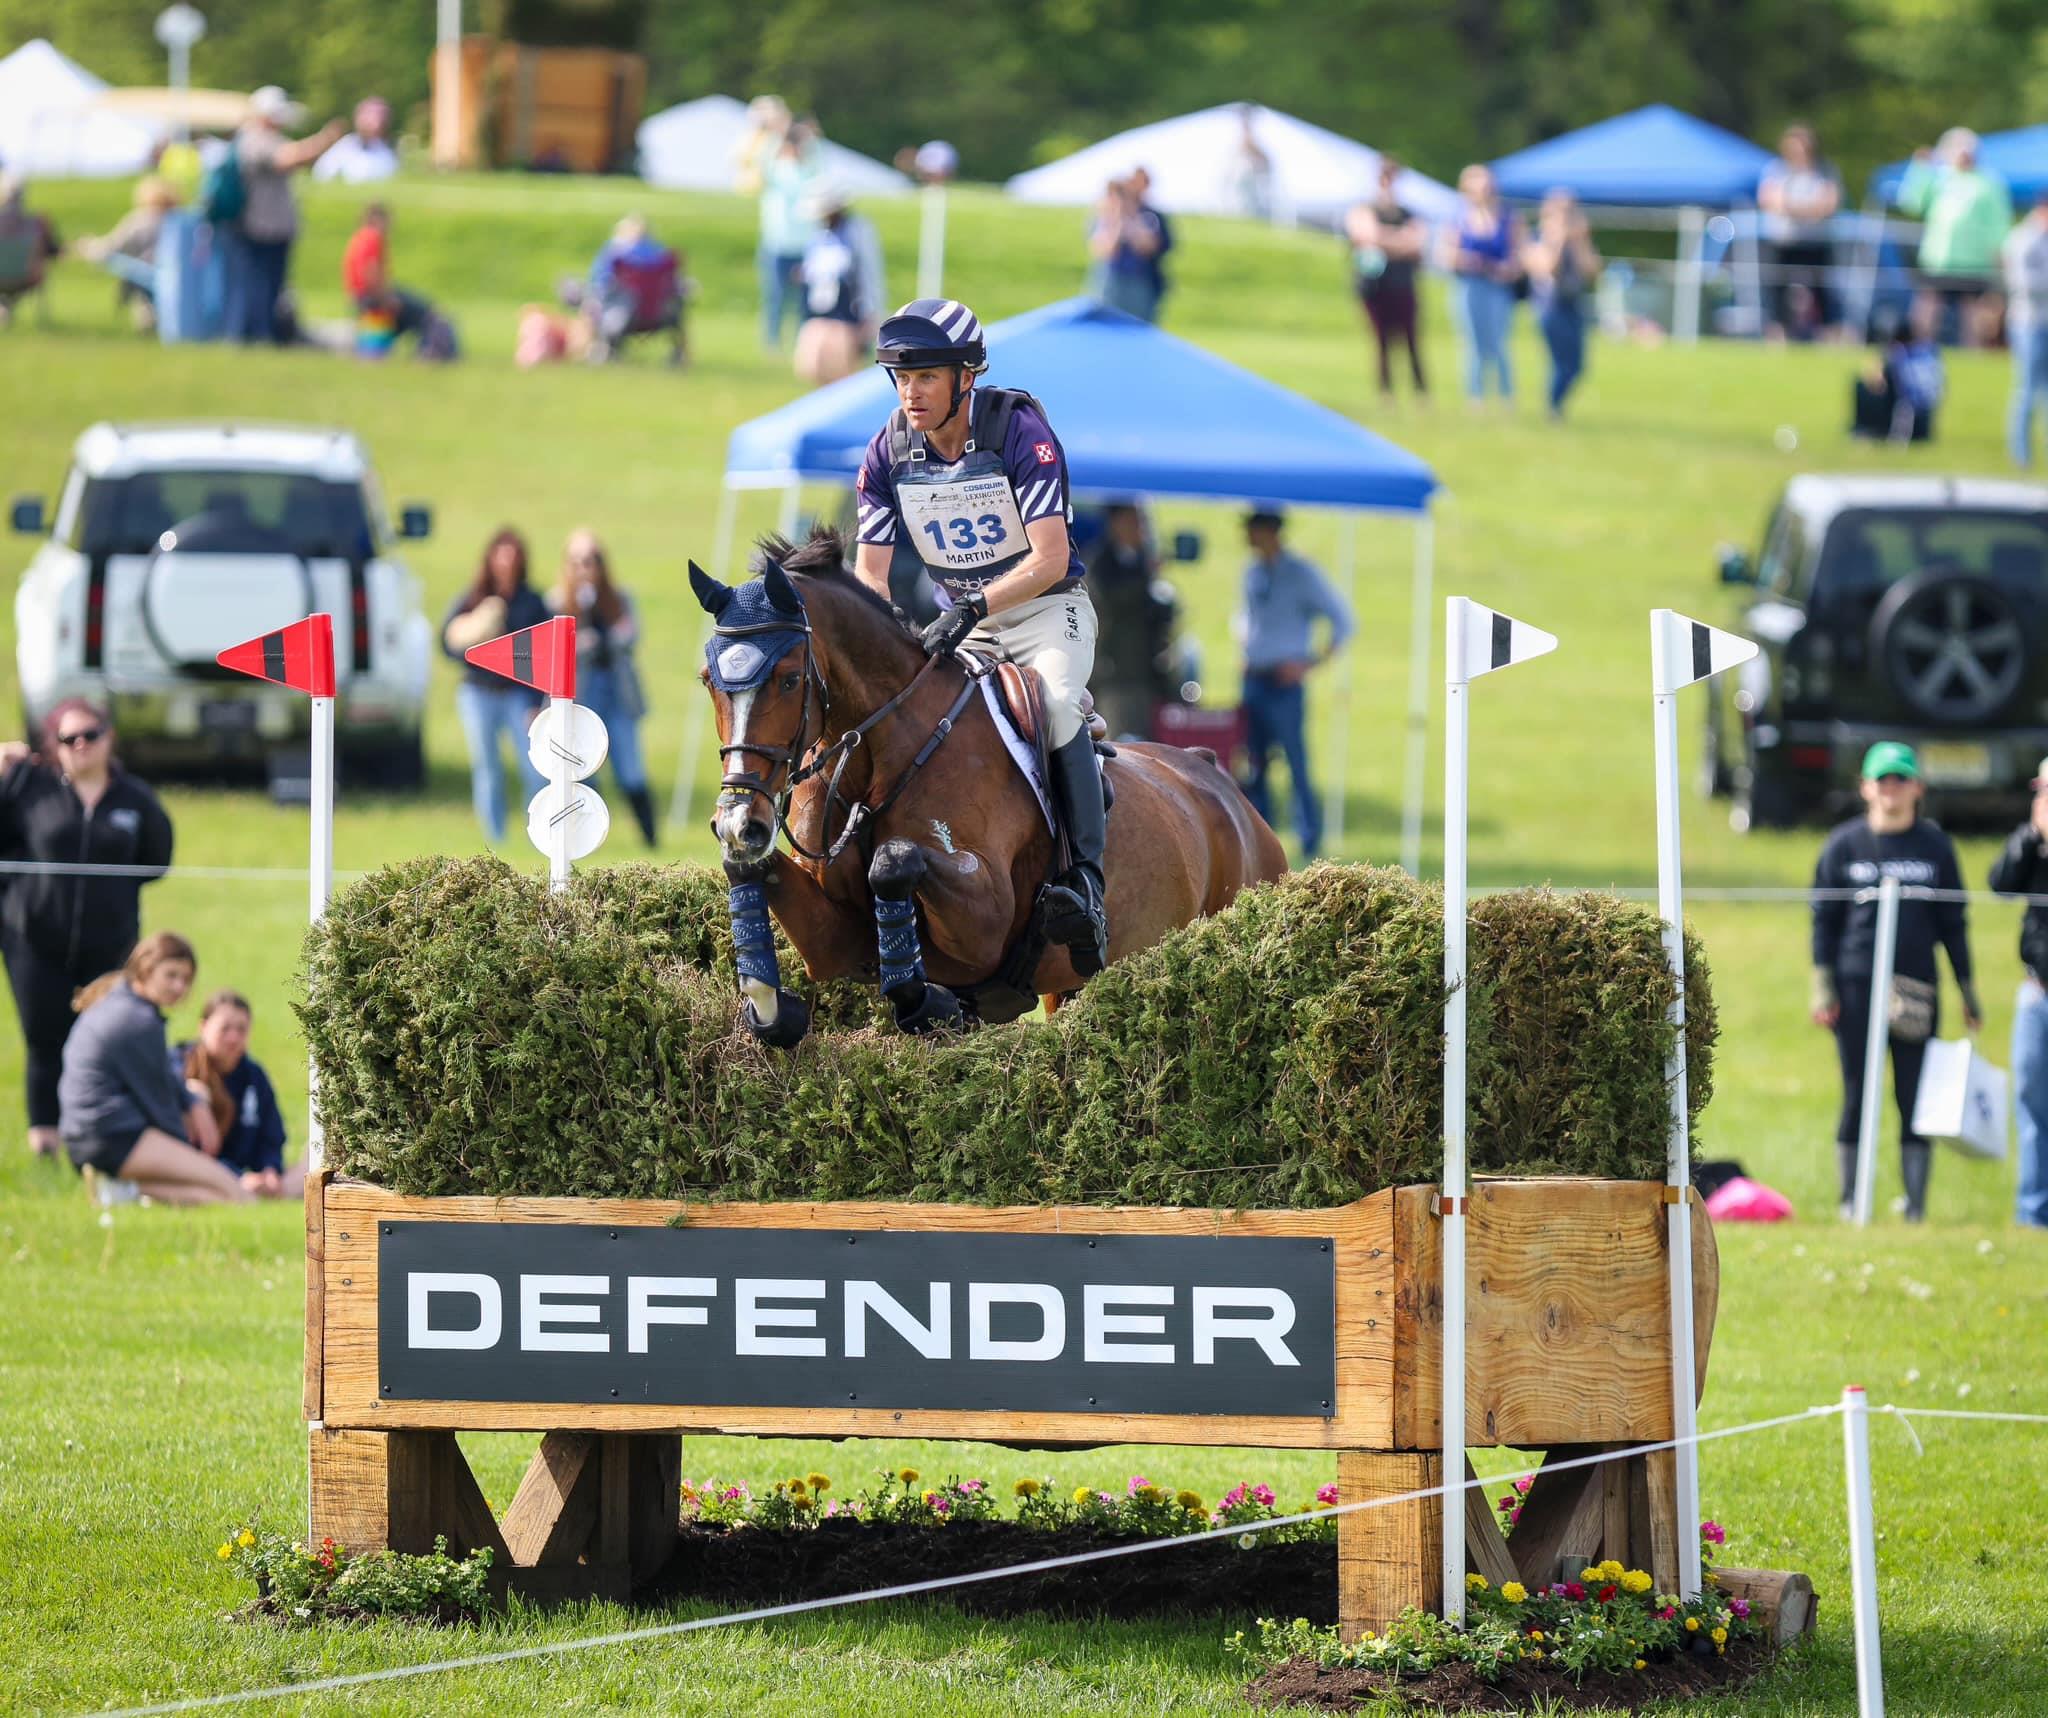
(1784, 551)
(226, 512)
(65, 529)
(1870, 548)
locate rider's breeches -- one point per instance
(1056, 635)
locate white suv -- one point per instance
(172, 542)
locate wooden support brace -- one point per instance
(1653, 1517)
(552, 1515)
(595, 1513)
(1486, 1552)
(1387, 1559)
(1563, 1517)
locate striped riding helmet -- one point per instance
(930, 332)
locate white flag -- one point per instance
(1683, 651)
(1481, 640)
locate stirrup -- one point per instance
(1072, 917)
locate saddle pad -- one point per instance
(1022, 753)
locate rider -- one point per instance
(977, 481)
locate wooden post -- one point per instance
(1780, 1602)
(1387, 1558)
(595, 1513)
(372, 1490)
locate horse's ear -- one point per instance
(781, 593)
(711, 595)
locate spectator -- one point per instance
(1284, 597)
(841, 274)
(268, 222)
(1481, 253)
(1123, 242)
(607, 629)
(365, 155)
(71, 805)
(1798, 195)
(935, 163)
(1891, 839)
(789, 174)
(768, 118)
(1141, 188)
(1562, 265)
(1386, 251)
(493, 709)
(385, 310)
(27, 244)
(124, 1110)
(2025, 257)
(635, 286)
(128, 251)
(2022, 869)
(228, 1087)
(1968, 214)
(1896, 398)
(1135, 615)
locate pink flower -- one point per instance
(731, 1494)
(1263, 1494)
(1136, 1480)
(1572, 1590)
(1739, 1606)
(1506, 1504)
(1667, 1613)
(970, 1486)
(1327, 1493)
(1104, 1498)
(1522, 1485)
(1233, 1497)
(940, 1506)
(1713, 1533)
(1515, 1516)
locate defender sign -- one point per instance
(816, 1318)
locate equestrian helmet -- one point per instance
(928, 333)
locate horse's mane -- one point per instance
(821, 560)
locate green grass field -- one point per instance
(148, 1361)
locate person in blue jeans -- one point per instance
(607, 680)
(1284, 597)
(2021, 868)
(1563, 266)
(1482, 254)
(494, 711)
(2025, 260)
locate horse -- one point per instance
(916, 847)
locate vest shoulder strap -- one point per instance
(993, 410)
(899, 437)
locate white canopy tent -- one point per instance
(51, 129)
(1197, 163)
(692, 148)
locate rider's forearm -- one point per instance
(871, 567)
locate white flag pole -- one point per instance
(565, 804)
(1452, 1200)
(320, 889)
(931, 240)
(1877, 1039)
(1664, 681)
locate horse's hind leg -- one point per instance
(893, 876)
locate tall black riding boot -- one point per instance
(1075, 914)
(642, 802)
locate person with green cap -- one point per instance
(1890, 839)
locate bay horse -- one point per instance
(916, 846)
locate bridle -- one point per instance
(801, 760)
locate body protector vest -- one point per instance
(963, 518)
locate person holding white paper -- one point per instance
(2022, 869)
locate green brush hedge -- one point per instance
(475, 1035)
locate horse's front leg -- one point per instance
(820, 929)
(967, 910)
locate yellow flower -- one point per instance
(1147, 1494)
(1025, 1488)
(1539, 1652)
(225, 1552)
(1535, 1634)
(818, 1482)
(1592, 1577)
(1692, 1625)
(907, 1475)
(1082, 1494)
(1611, 1570)
(1720, 1635)
(1188, 1500)
(1635, 1581)
(1475, 1583)
(1513, 1591)
(1638, 1664)
(796, 1488)
(803, 1503)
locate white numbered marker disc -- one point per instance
(567, 733)
(580, 808)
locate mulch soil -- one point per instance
(745, 1567)
(1458, 1688)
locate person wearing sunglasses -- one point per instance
(2022, 869)
(72, 805)
(1890, 839)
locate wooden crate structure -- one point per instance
(511, 105)
(1568, 1344)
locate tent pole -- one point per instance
(693, 708)
(1419, 601)
(1685, 310)
(1340, 748)
(931, 241)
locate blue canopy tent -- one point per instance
(1655, 157)
(2019, 157)
(1140, 413)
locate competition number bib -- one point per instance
(963, 524)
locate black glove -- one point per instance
(946, 634)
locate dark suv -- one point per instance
(1903, 608)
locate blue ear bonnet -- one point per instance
(740, 664)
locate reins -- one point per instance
(804, 766)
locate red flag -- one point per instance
(543, 657)
(300, 656)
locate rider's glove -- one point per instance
(946, 634)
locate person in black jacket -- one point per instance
(497, 601)
(72, 805)
(2022, 869)
(1891, 839)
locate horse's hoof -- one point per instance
(937, 1010)
(896, 869)
(792, 1023)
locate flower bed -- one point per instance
(300, 1584)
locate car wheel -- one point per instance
(1950, 645)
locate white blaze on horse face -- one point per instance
(729, 822)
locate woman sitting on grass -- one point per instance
(123, 1112)
(232, 1095)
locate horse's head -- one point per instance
(762, 673)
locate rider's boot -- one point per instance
(1075, 914)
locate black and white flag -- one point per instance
(1481, 640)
(1683, 650)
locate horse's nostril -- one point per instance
(755, 832)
